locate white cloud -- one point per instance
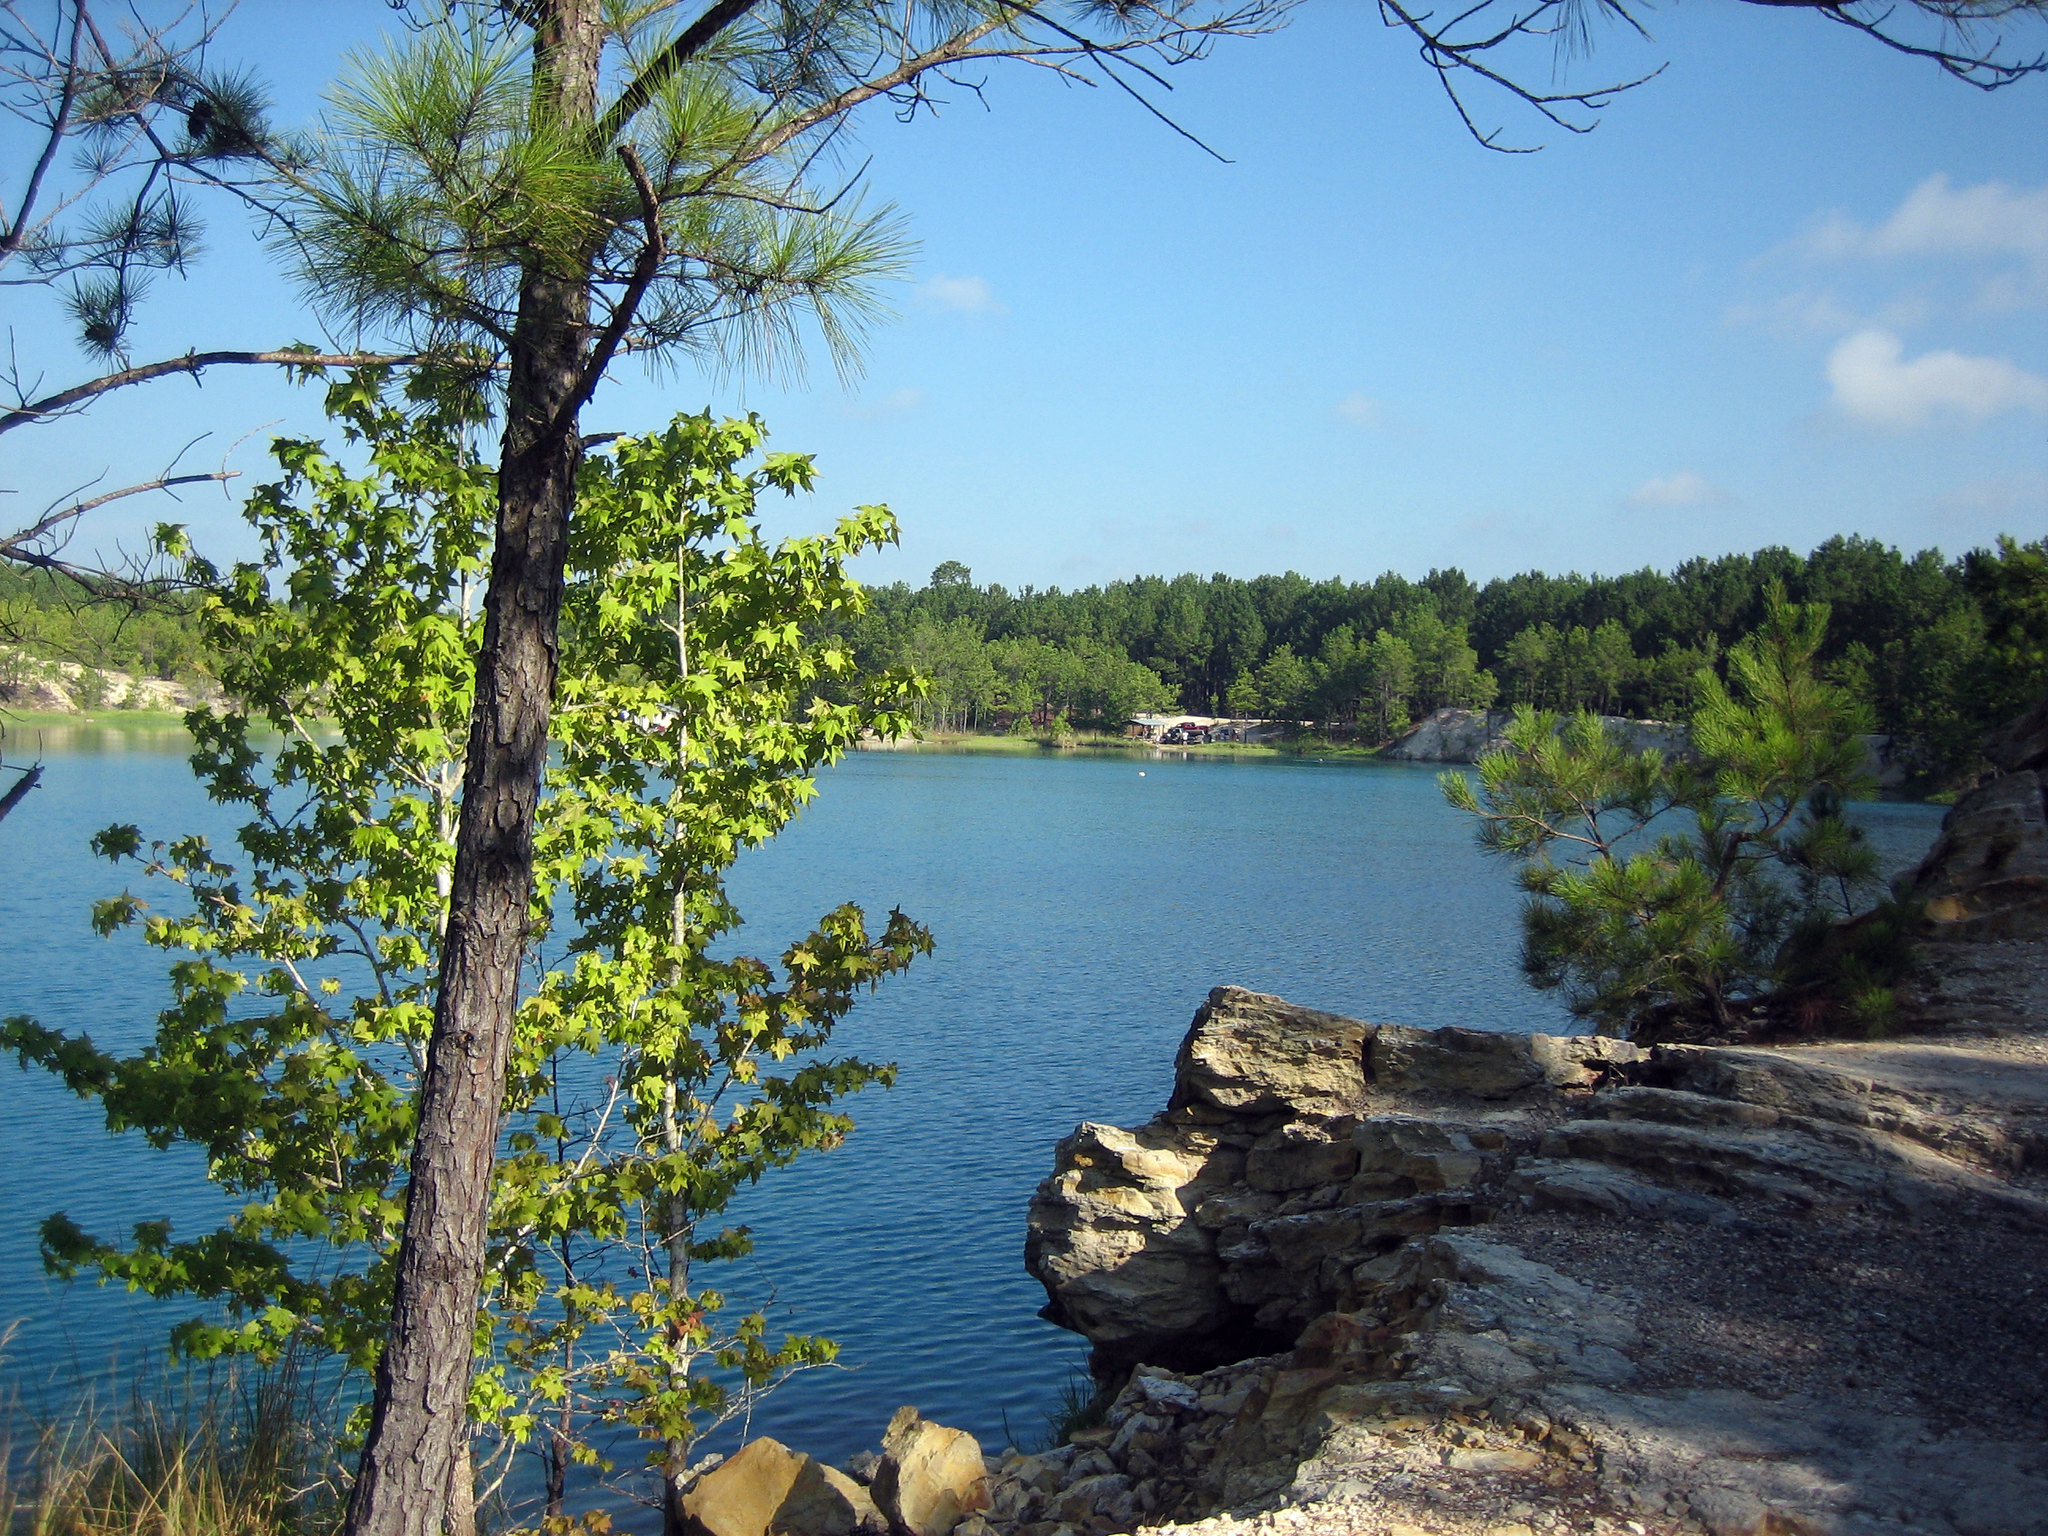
(1991, 222)
(1810, 313)
(1364, 411)
(1793, 314)
(1874, 383)
(1939, 220)
(961, 295)
(1684, 489)
(895, 403)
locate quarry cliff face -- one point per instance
(1983, 961)
(1452, 735)
(1374, 1273)
(1987, 875)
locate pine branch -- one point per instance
(693, 41)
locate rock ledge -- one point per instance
(1364, 1278)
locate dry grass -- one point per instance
(238, 1452)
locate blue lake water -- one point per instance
(1082, 908)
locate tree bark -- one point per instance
(415, 1478)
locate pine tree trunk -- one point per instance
(415, 1478)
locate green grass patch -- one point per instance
(93, 720)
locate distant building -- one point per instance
(1185, 730)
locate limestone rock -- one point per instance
(1249, 1055)
(769, 1490)
(1987, 874)
(930, 1477)
(1241, 1212)
(2021, 744)
(828, 1502)
(1449, 736)
(1590, 1187)
(1110, 1237)
(1406, 1155)
(1434, 1365)
(1297, 1157)
(1486, 1064)
(1452, 735)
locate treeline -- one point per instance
(50, 618)
(1939, 648)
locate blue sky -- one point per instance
(1796, 286)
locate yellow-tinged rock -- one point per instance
(931, 1477)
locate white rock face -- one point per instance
(65, 687)
(1460, 735)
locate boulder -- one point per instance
(930, 1477)
(825, 1501)
(1253, 1055)
(1987, 874)
(769, 1490)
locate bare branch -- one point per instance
(1980, 67)
(31, 776)
(652, 252)
(15, 545)
(66, 400)
(11, 241)
(1969, 42)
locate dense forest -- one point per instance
(1939, 648)
(51, 619)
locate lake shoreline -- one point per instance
(1039, 743)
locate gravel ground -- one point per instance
(1941, 1318)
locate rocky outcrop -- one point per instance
(1460, 735)
(1986, 876)
(1464, 1281)
(1983, 951)
(1219, 1229)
